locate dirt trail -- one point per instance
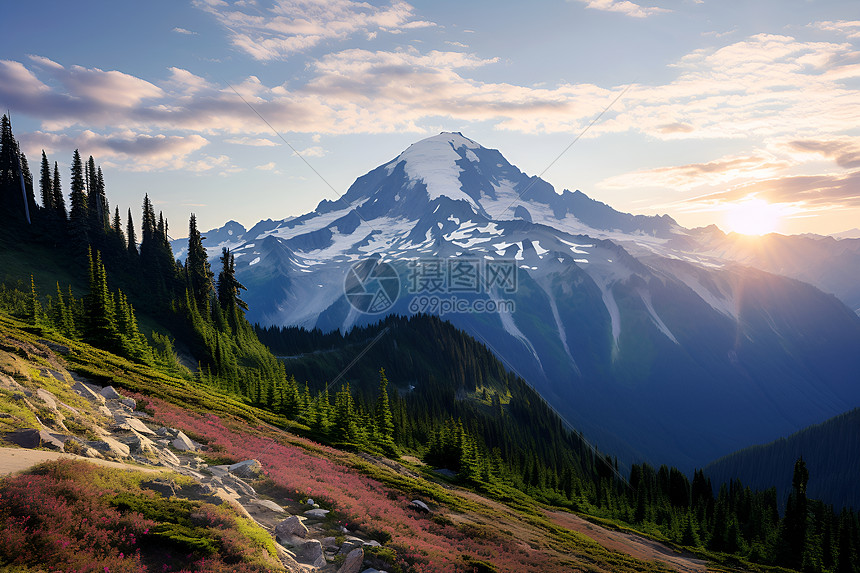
(14, 460)
(631, 544)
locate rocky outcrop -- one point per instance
(352, 563)
(291, 526)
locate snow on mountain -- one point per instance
(652, 339)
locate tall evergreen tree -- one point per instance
(99, 323)
(132, 239)
(79, 213)
(46, 186)
(198, 274)
(59, 201)
(228, 287)
(383, 418)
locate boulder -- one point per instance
(353, 561)
(249, 469)
(129, 403)
(166, 432)
(167, 457)
(110, 393)
(372, 543)
(270, 505)
(58, 348)
(33, 438)
(131, 423)
(110, 446)
(310, 501)
(83, 390)
(166, 488)
(330, 543)
(317, 513)
(419, 506)
(183, 443)
(140, 443)
(49, 399)
(291, 526)
(311, 552)
(349, 544)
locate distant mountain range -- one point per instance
(658, 342)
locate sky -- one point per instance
(713, 111)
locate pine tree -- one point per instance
(132, 239)
(383, 419)
(228, 288)
(79, 213)
(99, 326)
(46, 186)
(59, 201)
(34, 307)
(198, 274)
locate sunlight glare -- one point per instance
(752, 217)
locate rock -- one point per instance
(9, 383)
(291, 526)
(33, 438)
(103, 410)
(268, 504)
(446, 472)
(110, 393)
(131, 423)
(330, 543)
(85, 391)
(183, 443)
(419, 506)
(165, 432)
(167, 457)
(129, 403)
(312, 552)
(47, 398)
(310, 501)
(240, 486)
(166, 488)
(110, 446)
(58, 348)
(140, 443)
(247, 469)
(351, 543)
(353, 561)
(317, 513)
(372, 543)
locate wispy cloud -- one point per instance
(850, 28)
(251, 141)
(722, 171)
(139, 151)
(184, 32)
(624, 7)
(289, 26)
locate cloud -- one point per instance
(623, 7)
(826, 190)
(851, 29)
(722, 171)
(845, 152)
(251, 141)
(270, 166)
(139, 151)
(184, 31)
(313, 151)
(290, 26)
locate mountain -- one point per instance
(653, 350)
(829, 450)
(831, 264)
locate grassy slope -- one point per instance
(366, 493)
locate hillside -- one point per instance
(830, 450)
(368, 497)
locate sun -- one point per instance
(753, 216)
